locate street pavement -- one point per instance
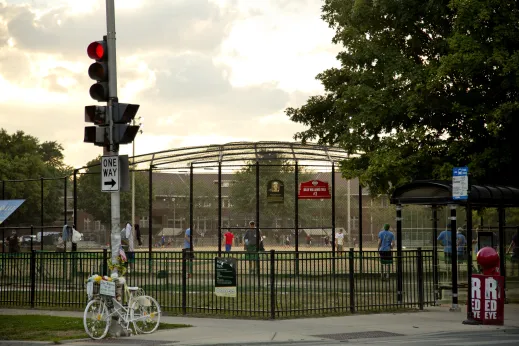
(434, 326)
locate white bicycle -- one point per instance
(142, 311)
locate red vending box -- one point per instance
(488, 299)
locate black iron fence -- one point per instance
(285, 284)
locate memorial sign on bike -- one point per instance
(225, 277)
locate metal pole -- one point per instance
(115, 197)
(454, 260)
(191, 178)
(133, 181)
(150, 209)
(360, 218)
(75, 196)
(41, 212)
(296, 207)
(65, 199)
(348, 213)
(219, 208)
(435, 251)
(3, 226)
(333, 207)
(399, 253)
(257, 205)
(296, 216)
(470, 317)
(501, 232)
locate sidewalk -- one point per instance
(210, 331)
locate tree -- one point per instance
(423, 86)
(25, 159)
(97, 203)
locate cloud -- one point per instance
(194, 25)
(203, 71)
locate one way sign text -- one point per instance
(110, 173)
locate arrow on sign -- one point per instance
(110, 183)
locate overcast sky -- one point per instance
(203, 71)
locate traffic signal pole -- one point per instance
(112, 89)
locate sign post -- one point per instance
(225, 277)
(110, 173)
(460, 183)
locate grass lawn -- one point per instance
(49, 328)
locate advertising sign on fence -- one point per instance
(488, 299)
(225, 277)
(314, 189)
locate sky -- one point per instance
(203, 71)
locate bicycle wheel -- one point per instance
(145, 314)
(96, 319)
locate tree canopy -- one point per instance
(24, 157)
(423, 86)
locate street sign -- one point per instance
(110, 173)
(225, 277)
(460, 183)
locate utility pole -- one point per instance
(115, 197)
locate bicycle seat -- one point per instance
(132, 288)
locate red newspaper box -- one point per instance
(488, 290)
(488, 299)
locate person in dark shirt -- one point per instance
(251, 247)
(14, 244)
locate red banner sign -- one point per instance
(314, 189)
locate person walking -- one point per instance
(250, 240)
(339, 240)
(229, 238)
(461, 244)
(13, 243)
(187, 252)
(445, 239)
(386, 243)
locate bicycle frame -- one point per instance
(122, 312)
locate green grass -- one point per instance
(49, 328)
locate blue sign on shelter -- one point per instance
(7, 207)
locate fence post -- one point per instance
(33, 278)
(272, 284)
(351, 273)
(184, 283)
(419, 267)
(105, 262)
(41, 212)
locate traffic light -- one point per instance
(96, 115)
(98, 71)
(97, 135)
(122, 115)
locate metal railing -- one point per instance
(284, 284)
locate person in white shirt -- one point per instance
(339, 240)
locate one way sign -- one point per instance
(110, 173)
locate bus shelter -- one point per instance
(436, 193)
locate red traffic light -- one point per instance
(97, 50)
